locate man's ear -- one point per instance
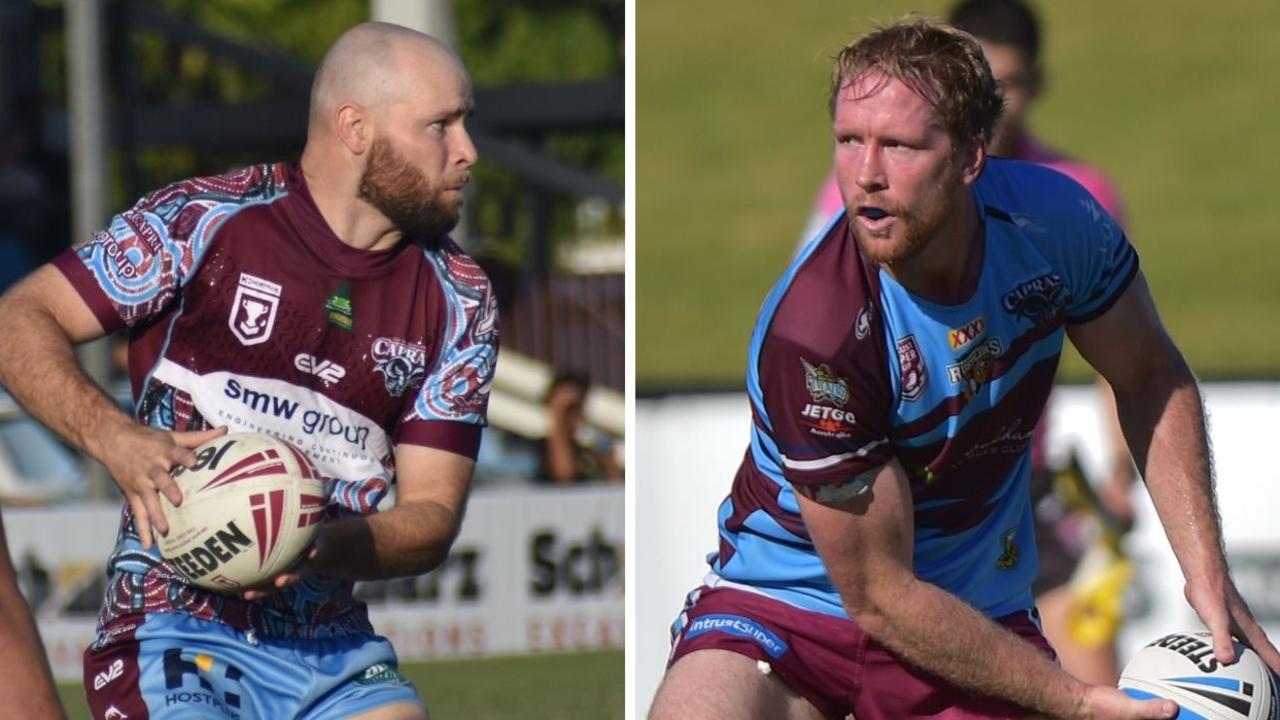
(354, 127)
(973, 157)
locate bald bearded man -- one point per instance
(322, 303)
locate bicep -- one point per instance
(1127, 343)
(430, 475)
(48, 291)
(866, 542)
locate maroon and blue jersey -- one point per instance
(244, 309)
(849, 370)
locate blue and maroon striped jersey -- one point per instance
(244, 309)
(848, 370)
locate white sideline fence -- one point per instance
(533, 570)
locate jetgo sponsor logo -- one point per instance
(974, 369)
(402, 364)
(824, 385)
(827, 421)
(741, 627)
(253, 312)
(1038, 300)
(328, 371)
(959, 337)
(912, 374)
(105, 677)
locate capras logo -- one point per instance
(327, 370)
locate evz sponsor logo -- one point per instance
(824, 385)
(974, 369)
(402, 364)
(328, 371)
(253, 312)
(1038, 300)
(105, 677)
(959, 337)
(742, 627)
(827, 421)
(912, 373)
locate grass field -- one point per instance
(578, 686)
(1174, 100)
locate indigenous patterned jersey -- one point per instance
(848, 370)
(245, 310)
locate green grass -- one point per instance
(577, 686)
(1172, 100)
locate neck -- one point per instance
(352, 220)
(948, 269)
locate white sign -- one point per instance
(533, 570)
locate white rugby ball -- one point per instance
(1181, 667)
(250, 507)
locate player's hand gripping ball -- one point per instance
(250, 507)
(1181, 667)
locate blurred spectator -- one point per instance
(573, 451)
(20, 194)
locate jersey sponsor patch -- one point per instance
(960, 337)
(974, 369)
(328, 371)
(381, 673)
(253, 312)
(912, 372)
(741, 627)
(827, 421)
(105, 677)
(1038, 300)
(402, 364)
(824, 385)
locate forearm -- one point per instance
(972, 652)
(28, 687)
(409, 539)
(560, 462)
(39, 369)
(1163, 420)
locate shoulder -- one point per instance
(1037, 198)
(821, 297)
(246, 185)
(458, 271)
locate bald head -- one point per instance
(377, 63)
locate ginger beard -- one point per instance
(404, 195)
(912, 228)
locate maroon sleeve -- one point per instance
(823, 374)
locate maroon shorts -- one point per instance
(831, 662)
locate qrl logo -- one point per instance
(253, 312)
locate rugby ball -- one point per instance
(1181, 667)
(250, 507)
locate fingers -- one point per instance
(164, 483)
(155, 514)
(1215, 618)
(1252, 635)
(1159, 709)
(196, 438)
(141, 523)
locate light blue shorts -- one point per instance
(176, 667)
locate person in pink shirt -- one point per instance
(1010, 37)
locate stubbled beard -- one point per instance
(403, 194)
(918, 226)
